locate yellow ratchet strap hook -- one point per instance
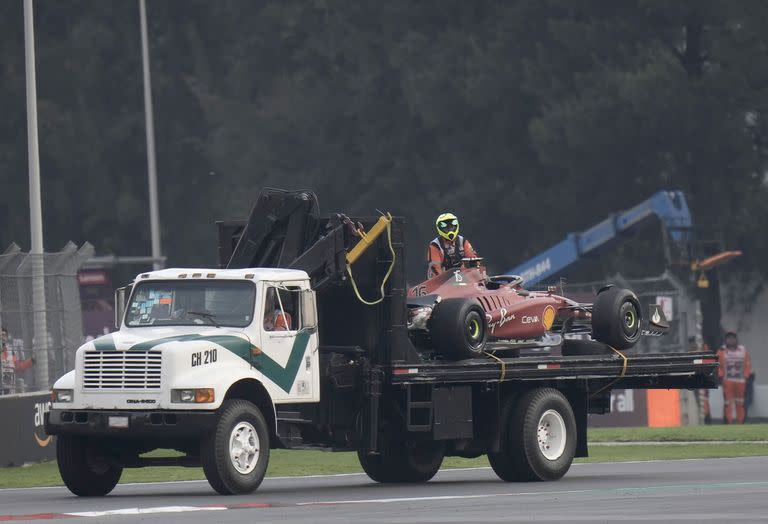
(366, 240)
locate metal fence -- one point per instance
(40, 311)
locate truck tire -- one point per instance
(616, 318)
(83, 468)
(418, 462)
(380, 467)
(458, 328)
(235, 454)
(538, 437)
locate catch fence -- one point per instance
(40, 309)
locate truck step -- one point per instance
(419, 408)
(292, 417)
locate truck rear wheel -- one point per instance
(236, 453)
(458, 328)
(538, 437)
(417, 462)
(84, 467)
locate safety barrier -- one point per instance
(22, 432)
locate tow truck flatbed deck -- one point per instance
(657, 370)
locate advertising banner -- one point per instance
(22, 432)
(640, 407)
(629, 408)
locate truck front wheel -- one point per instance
(416, 462)
(84, 467)
(538, 437)
(236, 453)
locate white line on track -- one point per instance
(626, 489)
(145, 511)
(436, 497)
(163, 482)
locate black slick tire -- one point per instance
(522, 455)
(458, 328)
(84, 469)
(238, 420)
(616, 318)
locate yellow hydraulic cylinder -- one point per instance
(366, 239)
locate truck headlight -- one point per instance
(62, 395)
(193, 396)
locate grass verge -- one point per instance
(741, 433)
(292, 463)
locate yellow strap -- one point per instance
(503, 365)
(621, 375)
(386, 277)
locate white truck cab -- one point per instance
(191, 343)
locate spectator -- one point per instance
(734, 372)
(9, 365)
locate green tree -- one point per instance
(527, 119)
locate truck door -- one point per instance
(289, 359)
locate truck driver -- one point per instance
(275, 318)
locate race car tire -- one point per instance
(83, 468)
(458, 328)
(616, 318)
(235, 455)
(537, 437)
(575, 347)
(417, 462)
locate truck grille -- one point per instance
(115, 370)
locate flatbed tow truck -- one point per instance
(194, 367)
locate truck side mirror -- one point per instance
(121, 295)
(308, 310)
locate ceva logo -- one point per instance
(41, 408)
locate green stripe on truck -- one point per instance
(283, 377)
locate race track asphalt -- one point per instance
(712, 490)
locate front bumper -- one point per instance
(141, 424)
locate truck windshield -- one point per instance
(192, 303)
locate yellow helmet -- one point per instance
(447, 226)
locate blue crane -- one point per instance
(670, 207)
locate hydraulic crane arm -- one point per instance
(670, 207)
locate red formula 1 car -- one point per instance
(462, 312)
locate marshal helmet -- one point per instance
(447, 226)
